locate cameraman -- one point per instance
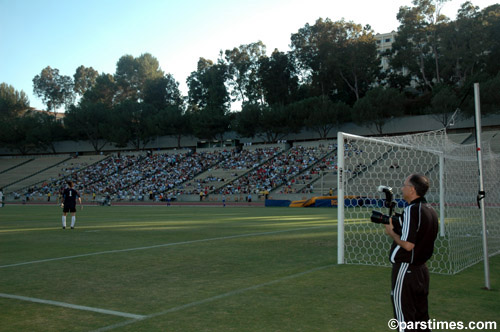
(413, 234)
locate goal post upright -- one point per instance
(340, 198)
(441, 196)
(481, 195)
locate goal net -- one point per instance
(365, 163)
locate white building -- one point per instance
(384, 43)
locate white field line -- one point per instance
(73, 306)
(213, 298)
(159, 246)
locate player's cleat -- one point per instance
(72, 228)
(64, 227)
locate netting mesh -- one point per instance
(453, 172)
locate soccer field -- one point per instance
(181, 268)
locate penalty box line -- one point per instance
(213, 298)
(160, 246)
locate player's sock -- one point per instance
(73, 219)
(64, 221)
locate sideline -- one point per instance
(136, 203)
(213, 298)
(162, 245)
(73, 306)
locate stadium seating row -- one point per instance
(305, 168)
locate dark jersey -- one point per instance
(69, 196)
(418, 225)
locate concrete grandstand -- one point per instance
(299, 167)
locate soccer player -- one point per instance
(413, 234)
(70, 196)
(1, 197)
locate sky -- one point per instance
(66, 34)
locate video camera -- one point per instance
(380, 218)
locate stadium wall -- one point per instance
(410, 124)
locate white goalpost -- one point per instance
(364, 163)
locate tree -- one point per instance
(398, 80)
(85, 79)
(164, 96)
(443, 104)
(207, 86)
(54, 89)
(276, 122)
(173, 121)
(12, 102)
(313, 50)
(103, 92)
(134, 123)
(17, 133)
(48, 131)
(336, 57)
(247, 122)
(209, 99)
(133, 73)
(278, 78)
(22, 129)
(322, 115)
(377, 107)
(243, 66)
(91, 121)
(126, 78)
(490, 20)
(162, 92)
(358, 62)
(211, 123)
(461, 46)
(416, 48)
(490, 96)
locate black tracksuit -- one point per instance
(410, 276)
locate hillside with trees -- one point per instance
(331, 75)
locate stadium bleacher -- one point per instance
(6, 164)
(495, 142)
(306, 168)
(460, 138)
(322, 158)
(14, 175)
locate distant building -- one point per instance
(59, 116)
(384, 43)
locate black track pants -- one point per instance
(410, 288)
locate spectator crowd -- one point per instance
(165, 176)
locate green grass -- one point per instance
(204, 269)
